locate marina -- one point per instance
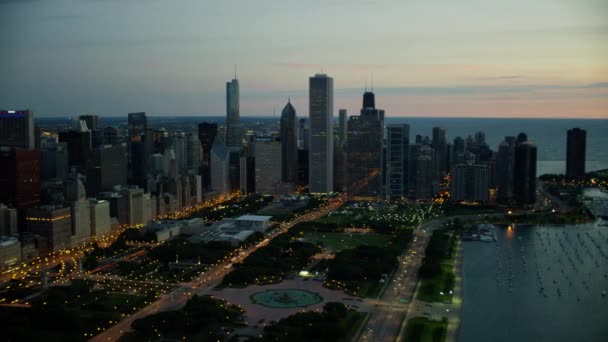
(537, 283)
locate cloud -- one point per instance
(479, 89)
(503, 77)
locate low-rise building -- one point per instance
(258, 223)
(234, 237)
(53, 223)
(10, 251)
(164, 230)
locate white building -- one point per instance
(135, 205)
(234, 237)
(258, 223)
(10, 251)
(164, 230)
(81, 211)
(100, 217)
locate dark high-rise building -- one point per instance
(234, 129)
(575, 153)
(524, 178)
(303, 134)
(303, 164)
(440, 149)
(111, 136)
(92, 121)
(20, 179)
(424, 171)
(343, 126)
(365, 143)
(108, 170)
(459, 150)
(17, 129)
(206, 135)
(138, 124)
(139, 148)
(160, 141)
(79, 148)
(55, 160)
(289, 144)
(470, 183)
(505, 161)
(321, 159)
(234, 169)
(397, 156)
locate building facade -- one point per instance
(321, 157)
(289, 144)
(576, 150)
(234, 129)
(17, 129)
(397, 157)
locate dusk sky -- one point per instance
(517, 58)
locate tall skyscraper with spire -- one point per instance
(234, 131)
(321, 156)
(365, 145)
(289, 144)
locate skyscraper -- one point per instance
(17, 129)
(424, 170)
(138, 124)
(53, 223)
(234, 131)
(505, 160)
(321, 158)
(20, 179)
(459, 150)
(470, 183)
(397, 156)
(92, 121)
(206, 135)
(268, 162)
(303, 134)
(219, 167)
(343, 126)
(193, 153)
(575, 153)
(289, 144)
(137, 150)
(439, 146)
(364, 144)
(524, 187)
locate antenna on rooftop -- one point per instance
(235, 71)
(372, 82)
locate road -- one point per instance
(205, 283)
(390, 309)
(388, 317)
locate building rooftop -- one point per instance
(257, 218)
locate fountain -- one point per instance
(286, 298)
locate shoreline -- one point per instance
(454, 323)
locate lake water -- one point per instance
(538, 283)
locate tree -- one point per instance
(89, 262)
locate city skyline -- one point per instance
(464, 60)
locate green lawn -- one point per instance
(430, 288)
(420, 329)
(341, 241)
